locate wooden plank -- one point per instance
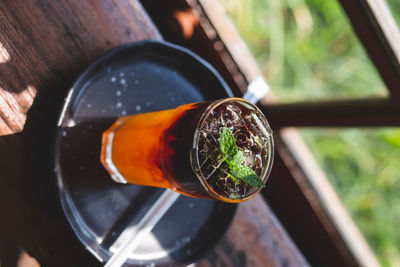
(374, 112)
(44, 45)
(45, 60)
(310, 209)
(255, 238)
(294, 200)
(227, 33)
(187, 25)
(295, 211)
(378, 32)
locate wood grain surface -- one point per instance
(255, 238)
(44, 46)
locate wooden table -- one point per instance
(44, 45)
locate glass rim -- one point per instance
(194, 154)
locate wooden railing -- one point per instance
(298, 191)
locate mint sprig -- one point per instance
(235, 159)
(227, 143)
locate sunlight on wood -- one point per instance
(4, 55)
(15, 107)
(188, 21)
(25, 260)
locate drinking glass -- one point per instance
(180, 149)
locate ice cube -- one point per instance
(245, 126)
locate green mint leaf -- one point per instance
(233, 178)
(235, 159)
(227, 143)
(247, 175)
(238, 158)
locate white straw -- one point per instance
(134, 235)
(256, 90)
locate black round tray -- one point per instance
(133, 78)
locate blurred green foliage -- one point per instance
(364, 168)
(394, 6)
(308, 51)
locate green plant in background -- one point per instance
(364, 168)
(308, 51)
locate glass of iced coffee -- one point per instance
(220, 149)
